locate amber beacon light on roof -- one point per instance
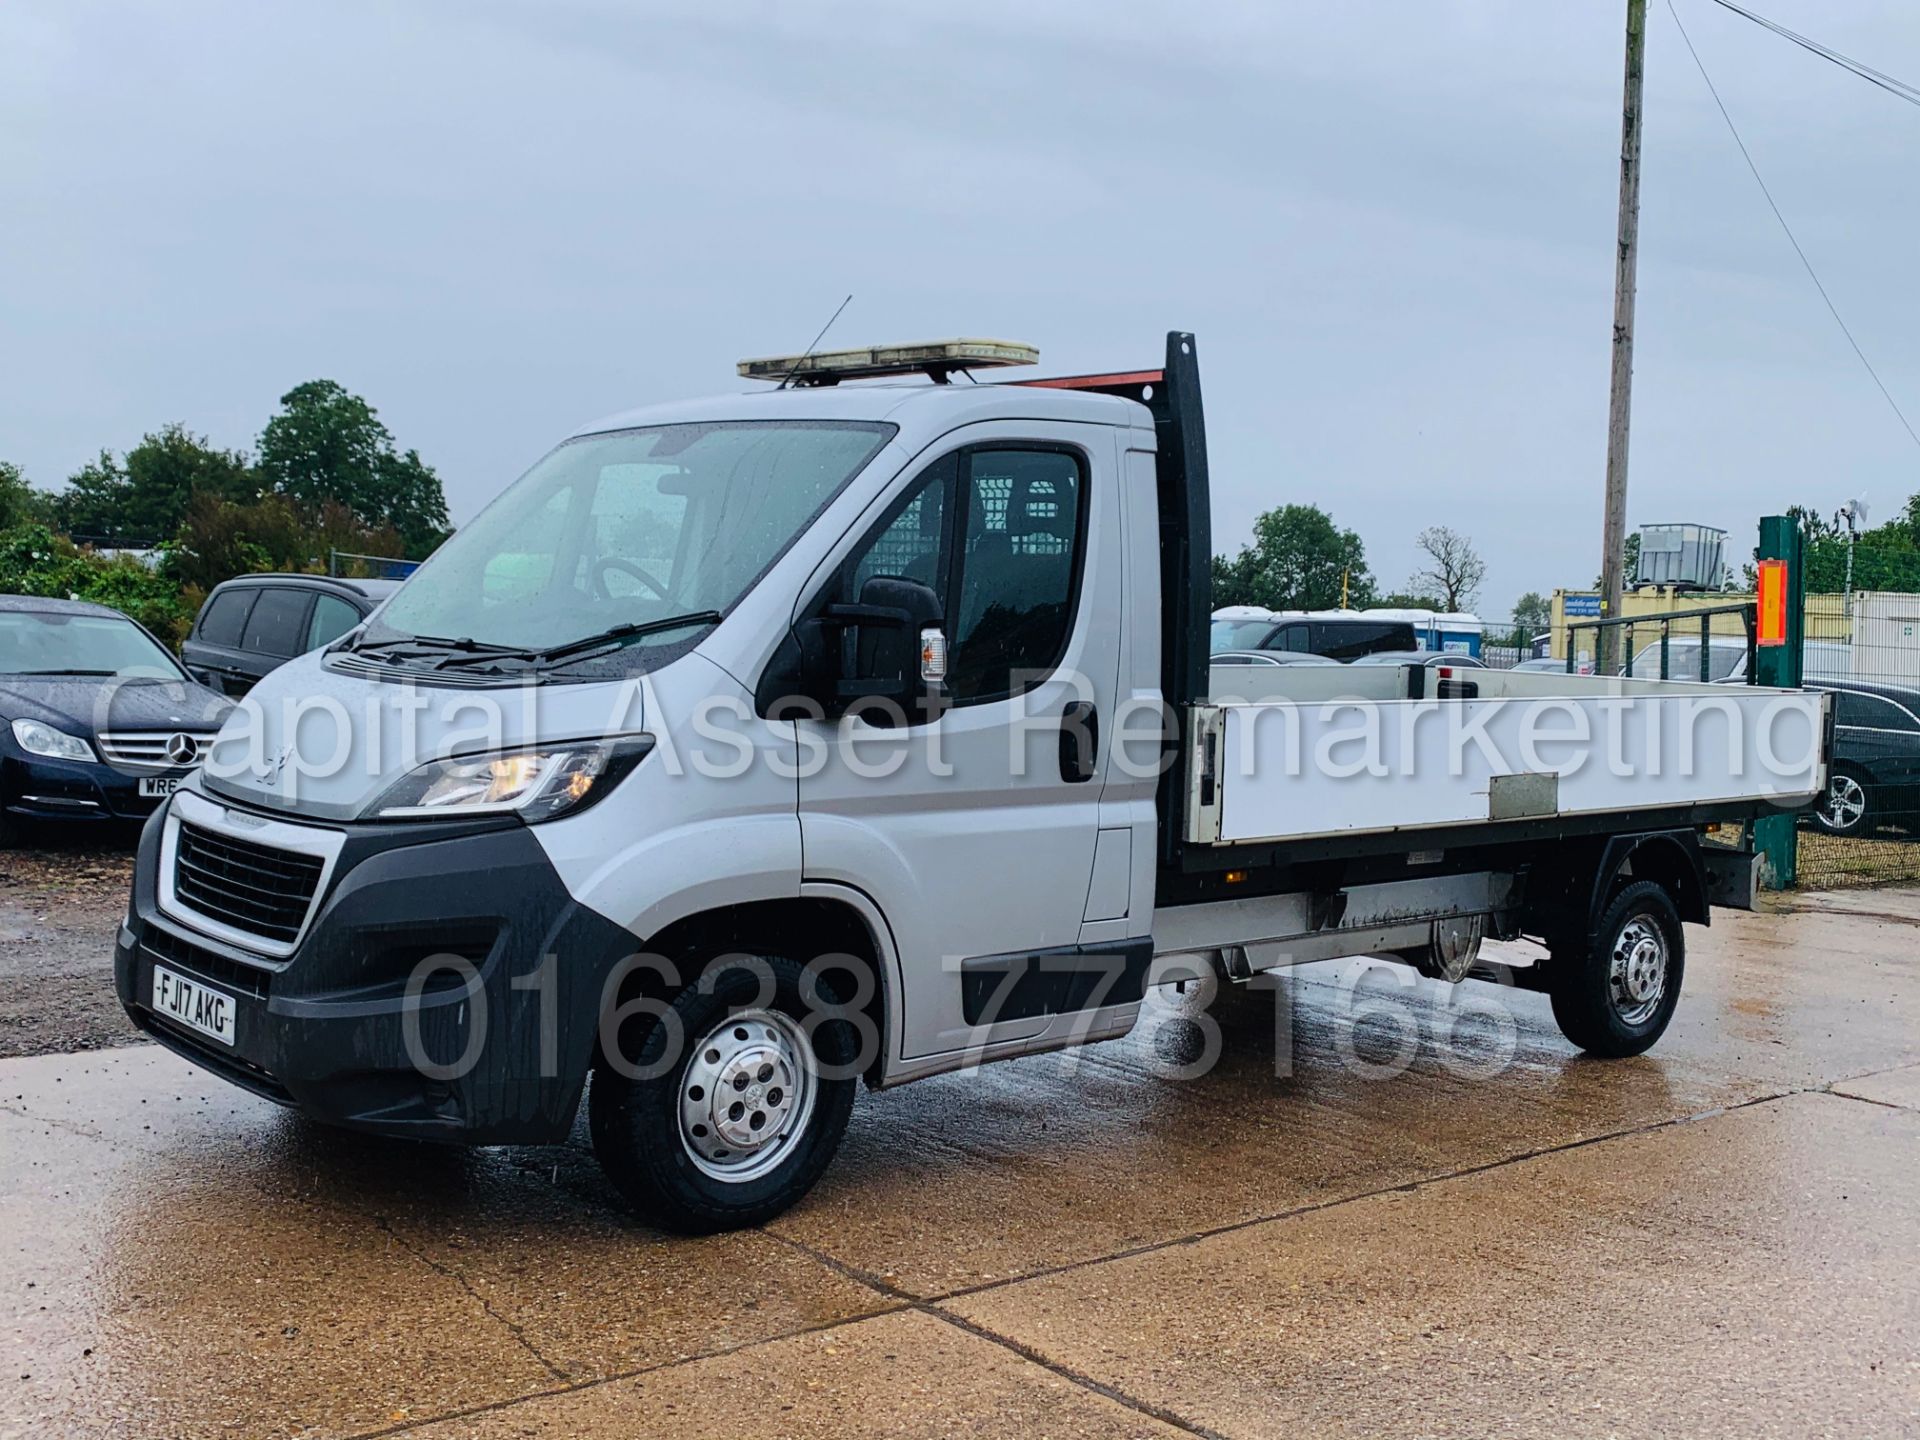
(937, 359)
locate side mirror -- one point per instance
(891, 653)
(884, 656)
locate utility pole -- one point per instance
(1613, 557)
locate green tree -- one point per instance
(20, 502)
(170, 468)
(328, 444)
(1816, 525)
(96, 501)
(1408, 600)
(219, 539)
(1909, 521)
(1297, 561)
(141, 498)
(1532, 615)
(1886, 557)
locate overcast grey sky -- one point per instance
(1390, 224)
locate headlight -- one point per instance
(38, 739)
(536, 783)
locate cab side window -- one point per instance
(997, 533)
(1013, 601)
(916, 544)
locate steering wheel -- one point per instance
(604, 563)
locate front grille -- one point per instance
(257, 888)
(198, 961)
(147, 749)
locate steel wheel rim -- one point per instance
(747, 1095)
(1637, 974)
(1846, 802)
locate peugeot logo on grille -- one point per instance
(181, 748)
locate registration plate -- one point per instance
(158, 787)
(197, 1006)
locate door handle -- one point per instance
(1079, 741)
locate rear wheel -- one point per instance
(734, 1102)
(1845, 809)
(1615, 995)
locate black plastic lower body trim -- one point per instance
(994, 988)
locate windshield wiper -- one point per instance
(477, 654)
(64, 672)
(620, 634)
(431, 643)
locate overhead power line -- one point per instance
(1773, 205)
(1898, 88)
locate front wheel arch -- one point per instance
(798, 928)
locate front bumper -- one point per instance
(38, 788)
(489, 1044)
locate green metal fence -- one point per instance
(1684, 645)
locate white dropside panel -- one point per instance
(1289, 771)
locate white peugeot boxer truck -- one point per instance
(862, 728)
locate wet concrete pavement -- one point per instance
(1397, 1208)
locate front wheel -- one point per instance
(732, 1101)
(1614, 996)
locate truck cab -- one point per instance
(748, 748)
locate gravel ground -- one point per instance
(61, 899)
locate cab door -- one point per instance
(975, 831)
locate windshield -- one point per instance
(1238, 634)
(630, 528)
(42, 642)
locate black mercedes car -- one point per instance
(97, 721)
(1875, 776)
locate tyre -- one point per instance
(1614, 996)
(1847, 807)
(734, 1099)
